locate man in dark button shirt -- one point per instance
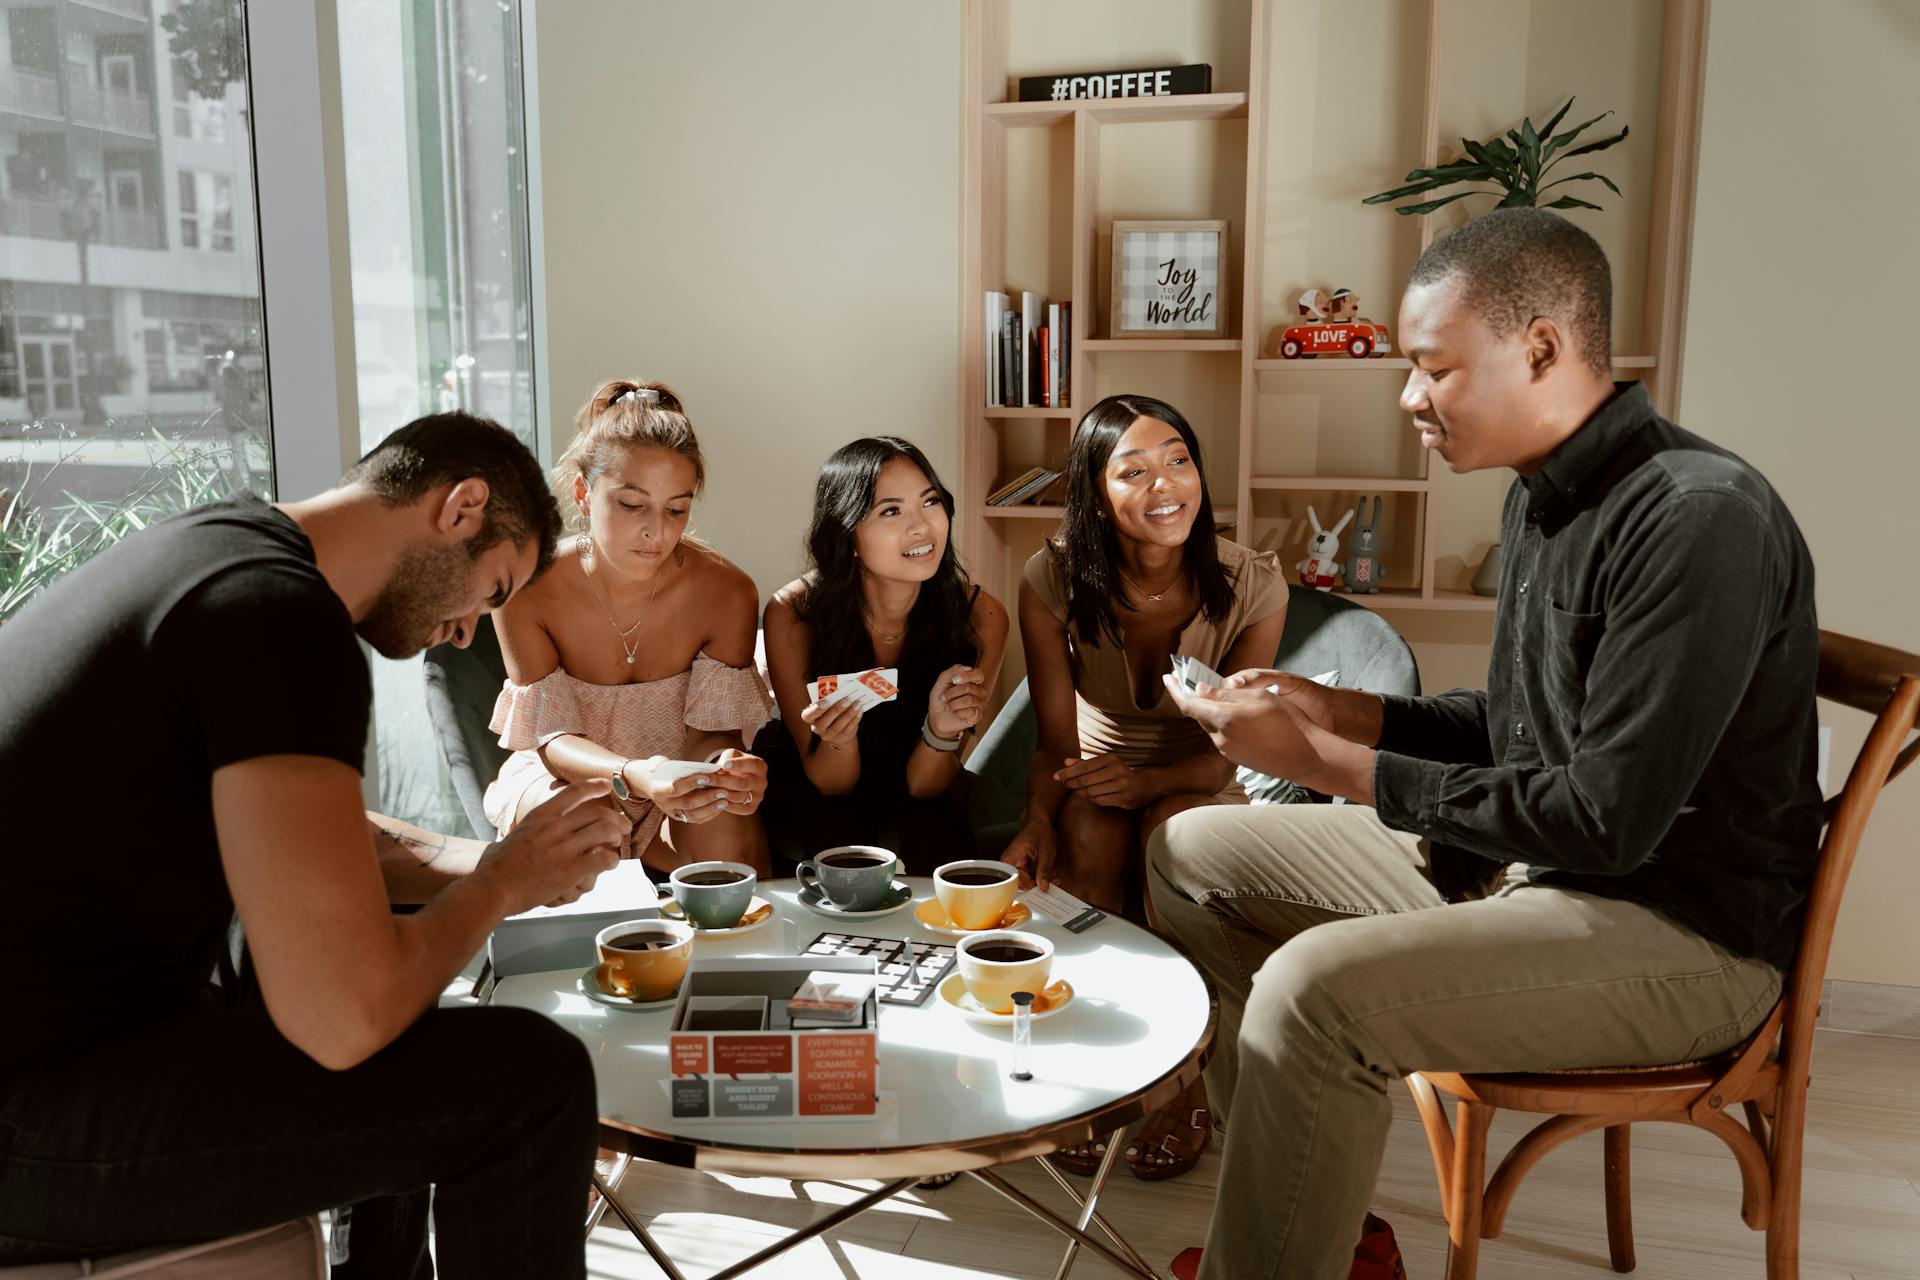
(182, 722)
(1599, 860)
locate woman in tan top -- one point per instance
(1135, 576)
(637, 648)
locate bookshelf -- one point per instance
(1319, 104)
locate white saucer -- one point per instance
(589, 986)
(812, 898)
(759, 912)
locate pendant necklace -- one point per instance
(631, 650)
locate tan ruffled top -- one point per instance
(1103, 683)
(633, 720)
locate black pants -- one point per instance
(212, 1124)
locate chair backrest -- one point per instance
(1324, 632)
(461, 686)
(1885, 683)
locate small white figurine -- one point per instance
(1321, 569)
(1313, 306)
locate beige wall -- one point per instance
(757, 202)
(1807, 187)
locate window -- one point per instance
(189, 210)
(118, 403)
(442, 294)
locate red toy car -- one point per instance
(1358, 339)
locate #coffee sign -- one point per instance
(1146, 82)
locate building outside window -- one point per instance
(132, 360)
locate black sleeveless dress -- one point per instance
(925, 832)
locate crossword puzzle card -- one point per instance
(909, 971)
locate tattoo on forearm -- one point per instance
(424, 845)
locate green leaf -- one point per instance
(1415, 189)
(1601, 145)
(1431, 205)
(1578, 177)
(1546, 130)
(1560, 140)
(1568, 202)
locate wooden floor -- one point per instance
(1861, 1220)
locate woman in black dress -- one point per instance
(883, 589)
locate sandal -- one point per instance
(1171, 1159)
(1084, 1159)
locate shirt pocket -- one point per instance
(1572, 640)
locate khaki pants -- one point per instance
(1339, 967)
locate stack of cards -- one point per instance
(865, 689)
(831, 997)
(1194, 674)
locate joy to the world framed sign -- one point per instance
(1169, 280)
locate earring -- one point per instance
(584, 543)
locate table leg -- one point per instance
(1093, 1196)
(639, 1232)
(1061, 1225)
(772, 1251)
(620, 1163)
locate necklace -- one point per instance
(631, 650)
(1155, 596)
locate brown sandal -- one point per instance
(1200, 1120)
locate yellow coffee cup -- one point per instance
(643, 959)
(975, 894)
(1000, 962)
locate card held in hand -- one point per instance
(865, 689)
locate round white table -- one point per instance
(1132, 1039)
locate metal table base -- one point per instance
(1120, 1254)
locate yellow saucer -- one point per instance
(931, 914)
(759, 911)
(1057, 996)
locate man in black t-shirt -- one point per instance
(182, 722)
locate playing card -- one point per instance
(1193, 673)
(674, 770)
(1061, 907)
(865, 689)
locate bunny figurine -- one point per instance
(1320, 570)
(1363, 566)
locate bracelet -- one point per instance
(938, 743)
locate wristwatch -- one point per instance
(621, 790)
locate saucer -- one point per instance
(589, 985)
(1057, 996)
(812, 897)
(759, 911)
(931, 914)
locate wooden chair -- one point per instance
(1766, 1077)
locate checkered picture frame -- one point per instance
(1139, 249)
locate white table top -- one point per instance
(1140, 1013)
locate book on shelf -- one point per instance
(996, 312)
(1022, 492)
(999, 496)
(1029, 352)
(1033, 310)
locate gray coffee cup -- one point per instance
(713, 895)
(853, 877)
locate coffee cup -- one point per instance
(853, 877)
(643, 959)
(976, 894)
(1000, 962)
(713, 895)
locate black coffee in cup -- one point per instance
(1003, 953)
(713, 877)
(853, 861)
(642, 941)
(976, 875)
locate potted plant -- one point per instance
(1517, 165)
